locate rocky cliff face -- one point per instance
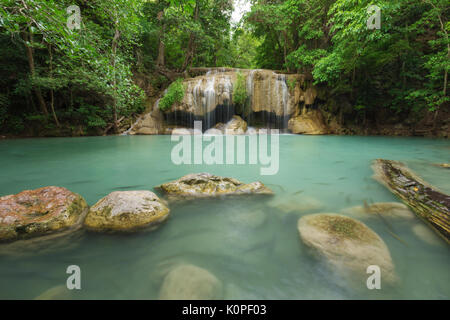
(272, 99)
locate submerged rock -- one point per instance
(427, 235)
(293, 203)
(39, 212)
(55, 293)
(126, 211)
(189, 282)
(442, 165)
(348, 246)
(248, 219)
(310, 122)
(385, 209)
(197, 185)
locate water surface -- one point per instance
(256, 256)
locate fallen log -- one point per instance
(427, 202)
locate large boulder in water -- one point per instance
(189, 282)
(384, 209)
(347, 245)
(39, 212)
(126, 211)
(197, 185)
(310, 122)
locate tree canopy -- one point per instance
(72, 67)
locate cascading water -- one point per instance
(210, 100)
(281, 82)
(250, 88)
(208, 97)
(228, 90)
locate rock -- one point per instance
(213, 132)
(126, 211)
(443, 165)
(235, 126)
(348, 246)
(291, 203)
(310, 122)
(184, 131)
(146, 131)
(188, 282)
(386, 209)
(251, 130)
(55, 293)
(249, 219)
(310, 95)
(39, 212)
(196, 185)
(267, 89)
(427, 235)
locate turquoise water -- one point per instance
(255, 258)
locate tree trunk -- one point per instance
(191, 44)
(161, 46)
(115, 43)
(428, 203)
(52, 97)
(28, 38)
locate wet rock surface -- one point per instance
(347, 245)
(39, 212)
(126, 211)
(189, 282)
(197, 185)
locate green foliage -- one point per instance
(175, 93)
(87, 74)
(240, 91)
(291, 84)
(79, 68)
(400, 67)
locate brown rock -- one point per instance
(310, 122)
(38, 212)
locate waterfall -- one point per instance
(228, 88)
(196, 96)
(284, 98)
(250, 88)
(210, 103)
(208, 97)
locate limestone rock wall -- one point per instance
(209, 97)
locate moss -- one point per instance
(240, 93)
(342, 227)
(291, 84)
(175, 93)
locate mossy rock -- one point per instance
(348, 246)
(126, 211)
(198, 185)
(40, 212)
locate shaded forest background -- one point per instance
(55, 81)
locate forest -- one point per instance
(86, 67)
